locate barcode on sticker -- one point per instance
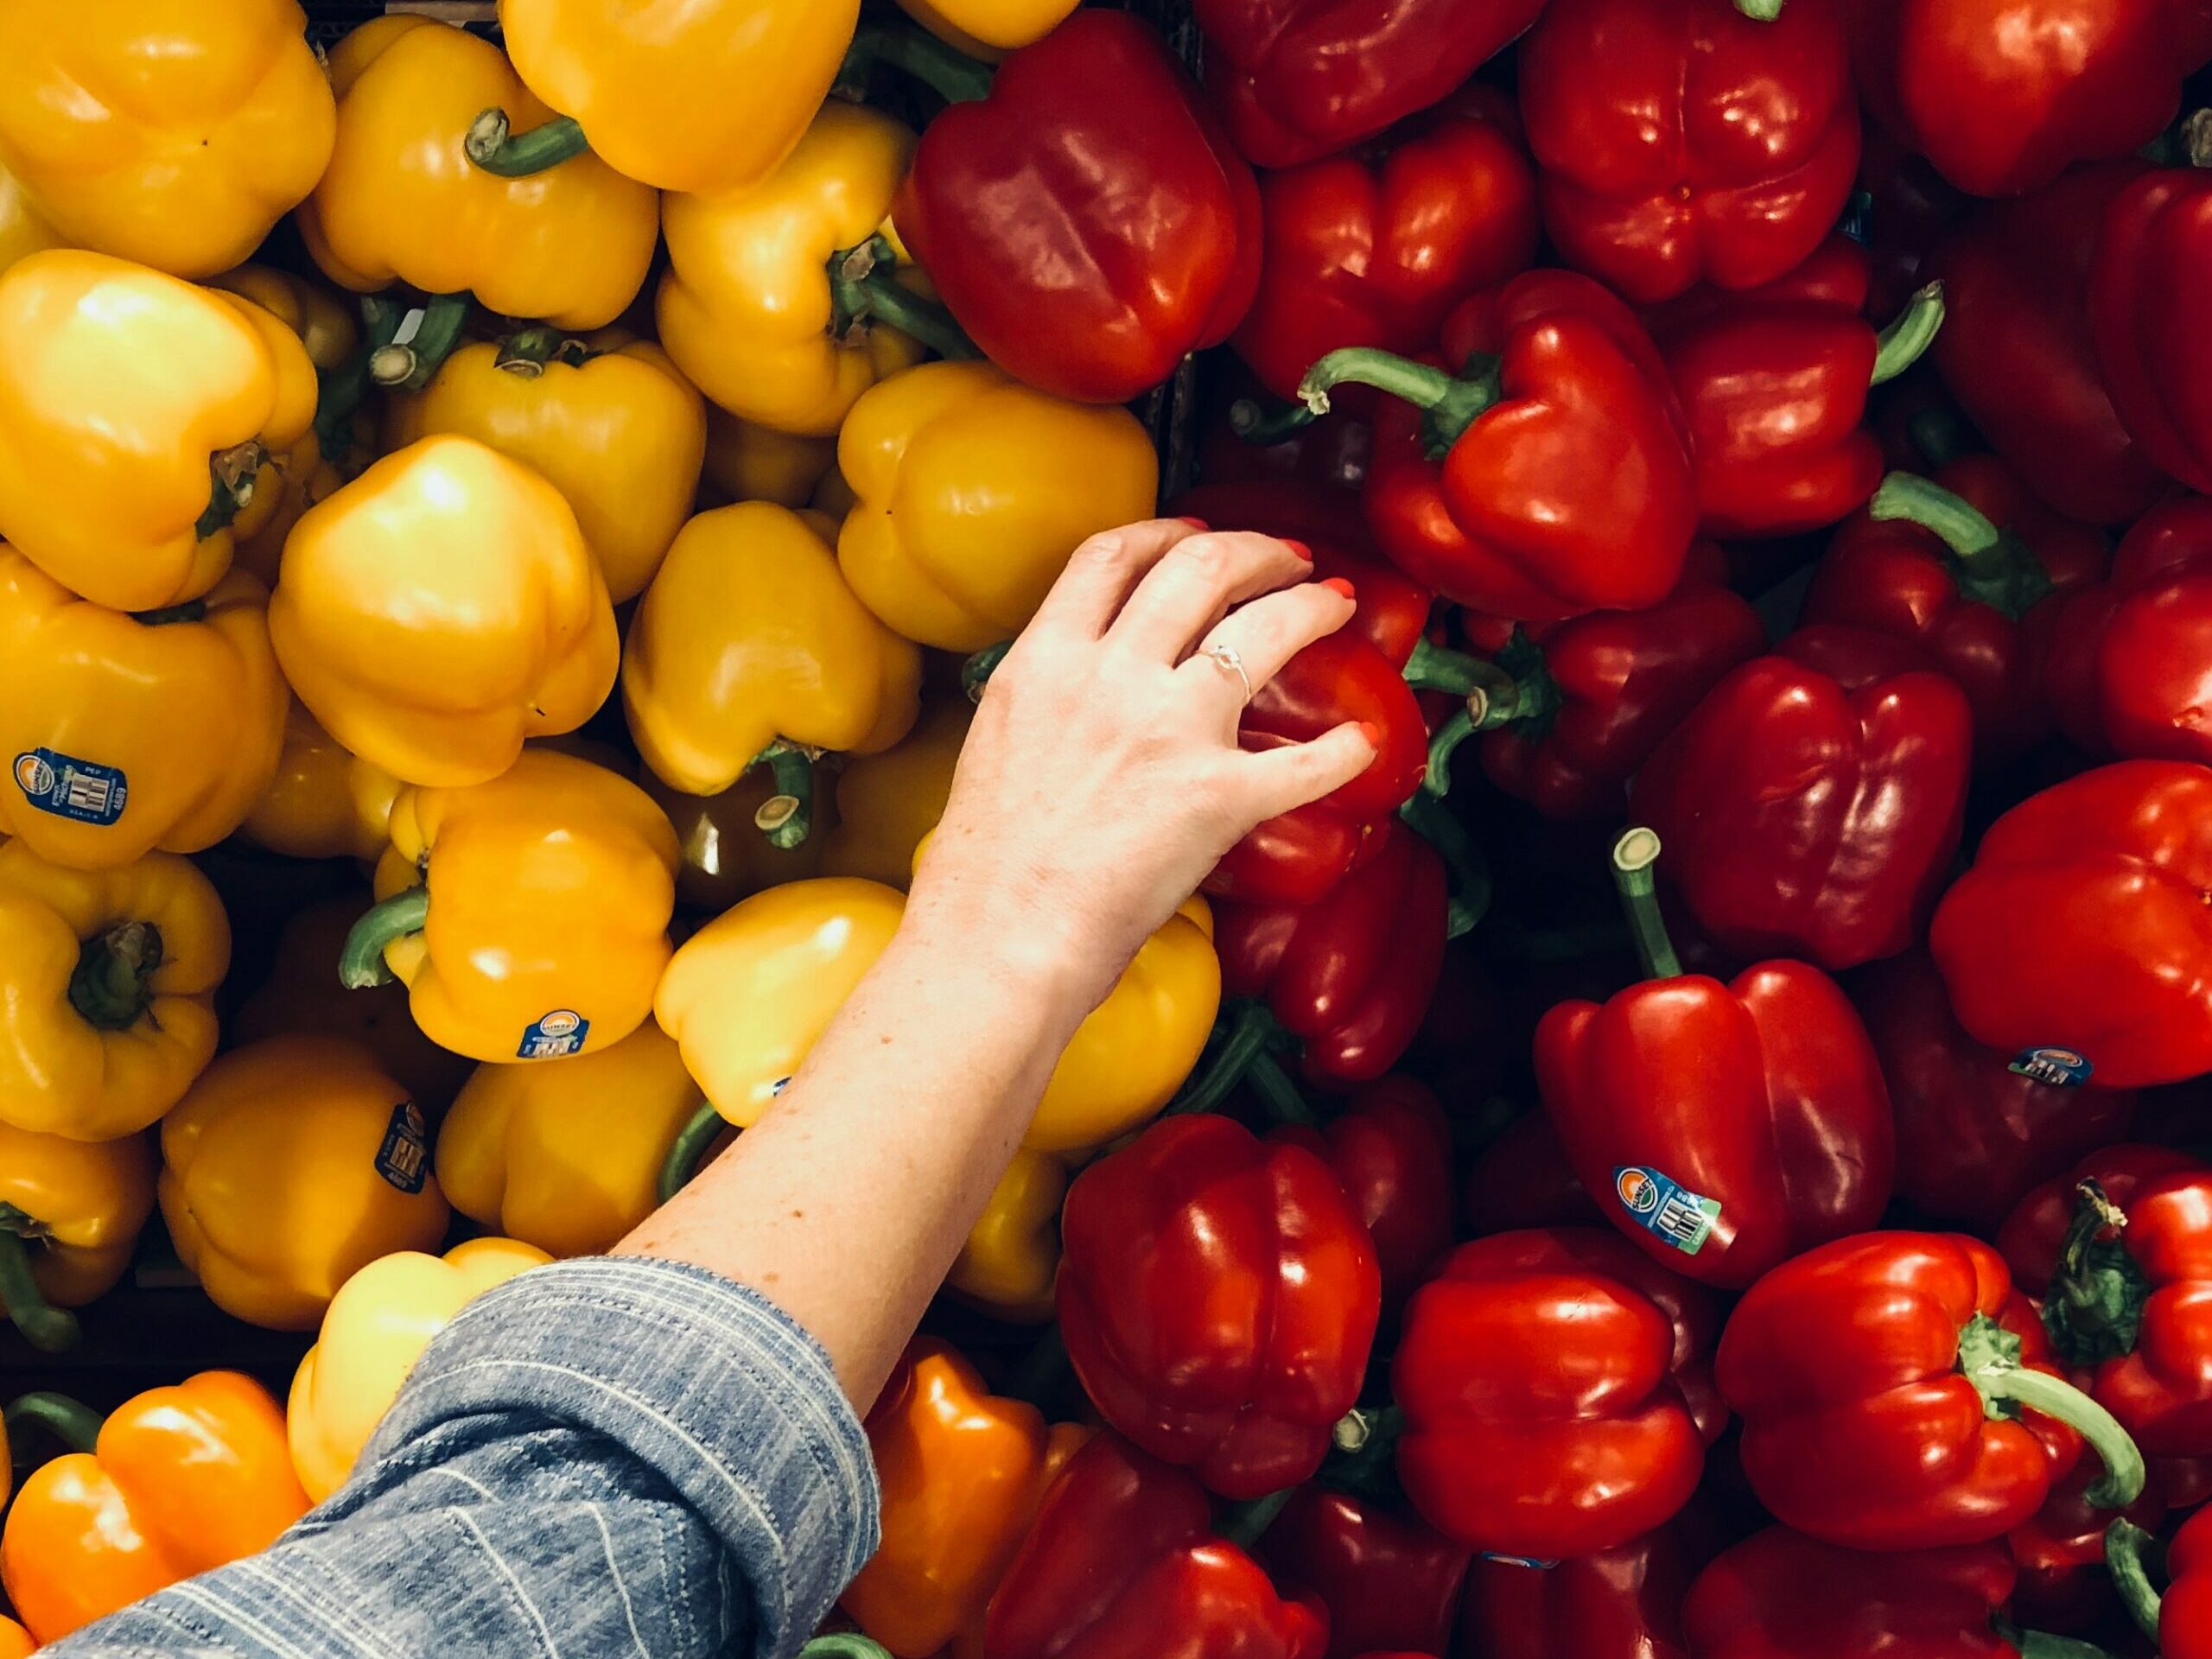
(1660, 1205)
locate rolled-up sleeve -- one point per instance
(604, 1457)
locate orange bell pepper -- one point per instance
(15, 1641)
(177, 1481)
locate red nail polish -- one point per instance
(1195, 524)
(1300, 549)
(1373, 733)
(1338, 585)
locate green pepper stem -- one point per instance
(1429, 818)
(844, 1644)
(360, 963)
(339, 391)
(1277, 1091)
(1244, 1035)
(45, 1327)
(1243, 1525)
(1433, 667)
(1760, 11)
(1263, 427)
(1634, 854)
(408, 365)
(1452, 403)
(509, 154)
(975, 673)
(2042, 1644)
(1989, 1357)
(952, 74)
(863, 290)
(74, 1423)
(2196, 138)
(2126, 1547)
(109, 988)
(1992, 568)
(1909, 334)
(1364, 1449)
(681, 1162)
(1455, 730)
(786, 816)
(526, 352)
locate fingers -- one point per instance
(1194, 582)
(1283, 779)
(1101, 573)
(1271, 630)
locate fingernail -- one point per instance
(1373, 733)
(1300, 549)
(1195, 524)
(1338, 585)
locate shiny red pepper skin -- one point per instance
(2016, 349)
(1390, 1149)
(2146, 290)
(1573, 494)
(1218, 1295)
(1682, 142)
(1622, 1603)
(2034, 1232)
(1898, 578)
(1538, 1376)
(1302, 79)
(2135, 654)
(1763, 1095)
(2185, 1614)
(1387, 1581)
(1349, 975)
(1018, 206)
(1972, 1134)
(2059, 1551)
(1781, 1595)
(1123, 1563)
(2003, 95)
(1374, 247)
(1813, 810)
(1860, 1427)
(2084, 924)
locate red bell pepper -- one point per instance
(1304, 79)
(2146, 290)
(1019, 206)
(1685, 140)
(2006, 95)
(2016, 349)
(1523, 1179)
(1554, 479)
(1218, 1296)
(1387, 1581)
(1967, 568)
(1374, 247)
(1541, 1375)
(1882, 1380)
(1622, 1603)
(1390, 1149)
(1905, 207)
(2038, 1230)
(1349, 975)
(2081, 939)
(1123, 1562)
(2133, 654)
(1724, 1128)
(2063, 1583)
(2181, 1621)
(1974, 1131)
(1810, 806)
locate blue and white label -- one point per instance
(403, 1159)
(84, 791)
(1530, 1561)
(554, 1036)
(2063, 1067)
(1661, 1205)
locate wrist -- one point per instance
(1019, 951)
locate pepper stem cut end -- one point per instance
(110, 987)
(787, 816)
(1760, 11)
(1634, 854)
(361, 963)
(492, 146)
(408, 365)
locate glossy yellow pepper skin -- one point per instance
(747, 462)
(888, 803)
(172, 133)
(609, 420)
(725, 857)
(1011, 1258)
(748, 994)
(293, 1164)
(70, 1214)
(567, 1157)
(22, 231)
(322, 802)
(327, 326)
(107, 986)
(703, 95)
(749, 635)
(401, 202)
(262, 552)
(974, 490)
(528, 917)
(440, 609)
(136, 411)
(988, 28)
(747, 308)
(374, 1331)
(127, 733)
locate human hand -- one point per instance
(1101, 778)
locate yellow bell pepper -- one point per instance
(107, 989)
(708, 95)
(725, 856)
(292, 1164)
(123, 393)
(70, 1213)
(607, 419)
(323, 801)
(173, 132)
(988, 28)
(374, 1331)
(262, 552)
(755, 308)
(22, 232)
(1011, 1258)
(749, 648)
(326, 325)
(440, 609)
(887, 803)
(974, 490)
(528, 917)
(126, 733)
(568, 1158)
(747, 462)
(303, 996)
(834, 497)
(401, 202)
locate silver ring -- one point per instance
(1227, 657)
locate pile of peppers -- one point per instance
(1702, 1151)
